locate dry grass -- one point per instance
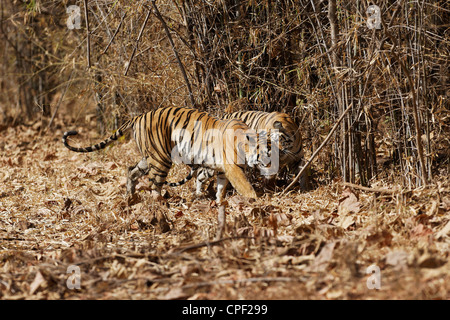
(60, 209)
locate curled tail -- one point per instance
(120, 132)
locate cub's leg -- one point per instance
(304, 179)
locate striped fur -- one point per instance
(289, 137)
(158, 132)
(290, 140)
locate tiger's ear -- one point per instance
(277, 125)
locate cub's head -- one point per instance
(284, 143)
(286, 138)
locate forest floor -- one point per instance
(67, 231)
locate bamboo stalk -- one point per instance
(88, 38)
(418, 135)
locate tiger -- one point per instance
(286, 132)
(276, 127)
(194, 137)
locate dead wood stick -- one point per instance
(205, 244)
(137, 42)
(115, 33)
(60, 100)
(169, 37)
(88, 38)
(376, 190)
(247, 280)
(336, 125)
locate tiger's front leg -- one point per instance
(134, 173)
(222, 183)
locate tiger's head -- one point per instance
(283, 140)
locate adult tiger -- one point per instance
(195, 137)
(275, 127)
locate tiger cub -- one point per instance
(196, 138)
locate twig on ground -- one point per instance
(206, 244)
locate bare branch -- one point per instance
(137, 42)
(115, 33)
(336, 125)
(88, 38)
(183, 71)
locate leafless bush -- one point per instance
(310, 58)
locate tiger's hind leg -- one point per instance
(157, 177)
(134, 173)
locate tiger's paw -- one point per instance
(133, 199)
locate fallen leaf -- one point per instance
(420, 231)
(397, 259)
(50, 156)
(25, 224)
(237, 202)
(37, 282)
(429, 261)
(201, 208)
(349, 202)
(334, 294)
(179, 214)
(175, 294)
(322, 260)
(89, 169)
(383, 238)
(37, 125)
(444, 231)
(433, 209)
(346, 221)
(110, 165)
(282, 219)
(187, 270)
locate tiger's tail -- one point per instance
(120, 132)
(178, 183)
